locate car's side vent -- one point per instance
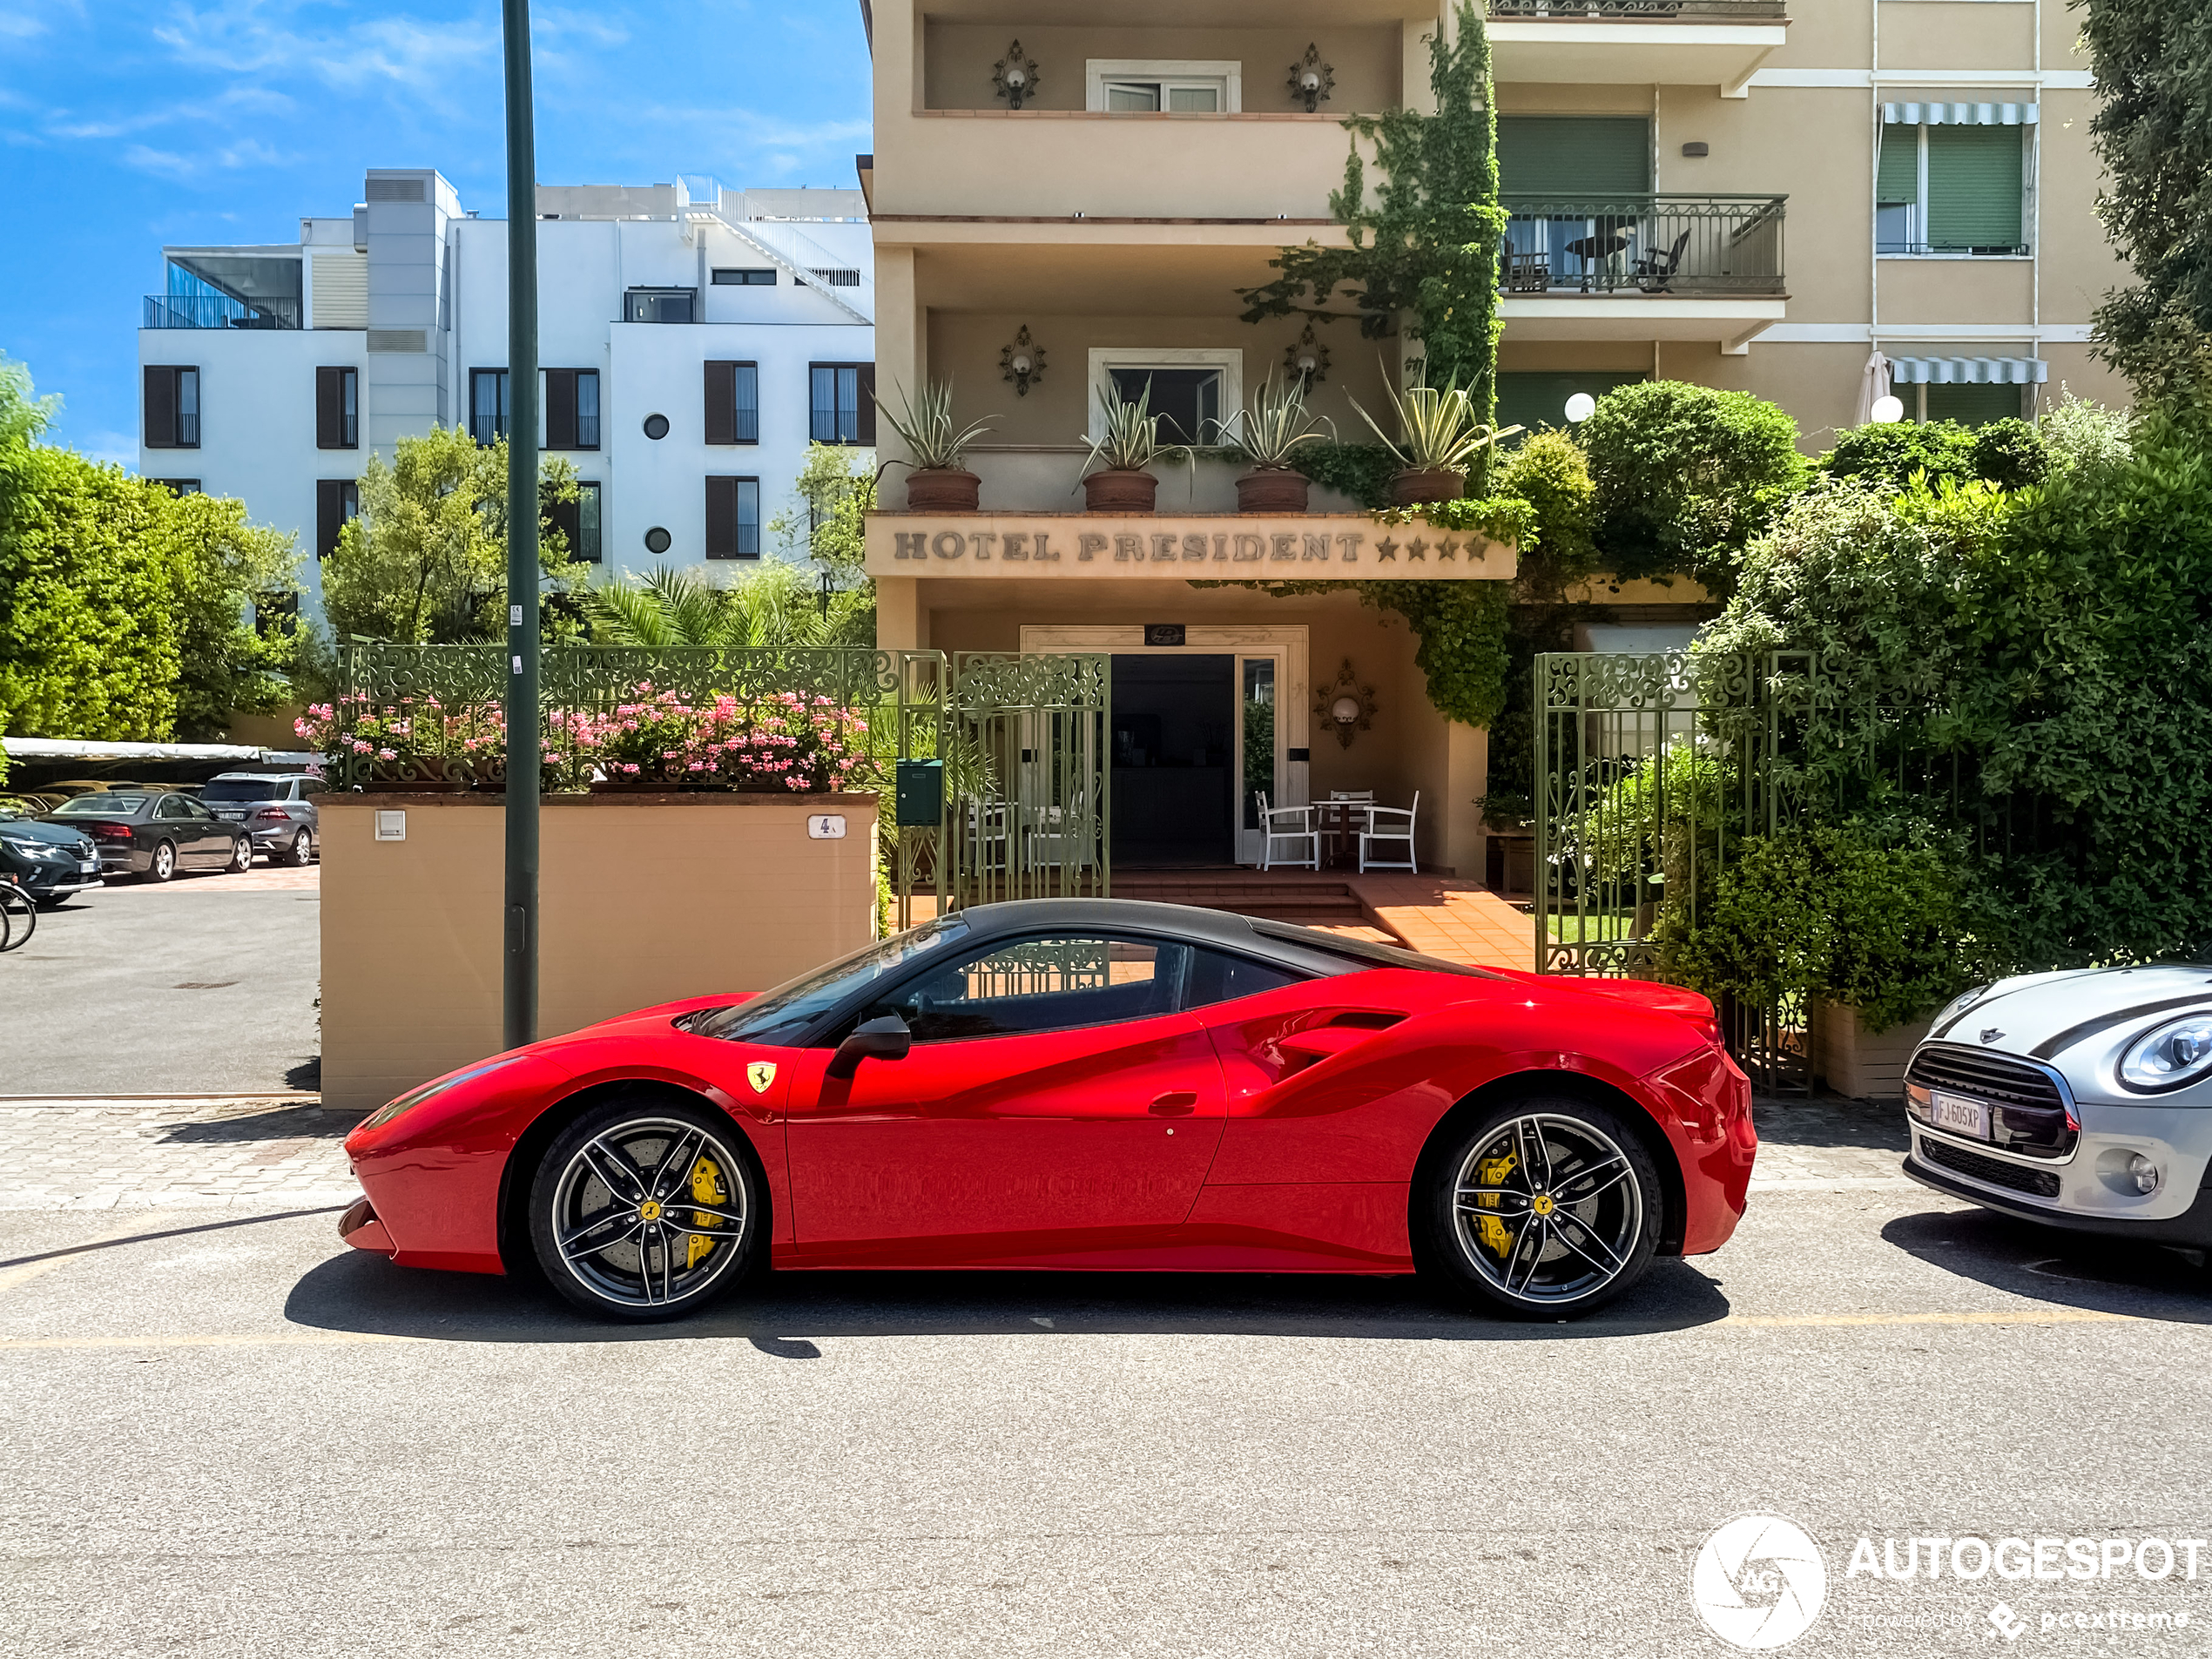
(1365, 1019)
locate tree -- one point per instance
(426, 561)
(1428, 245)
(1686, 476)
(827, 519)
(2153, 130)
(771, 604)
(235, 593)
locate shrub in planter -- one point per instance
(1440, 439)
(652, 738)
(937, 482)
(1129, 443)
(1268, 432)
(784, 741)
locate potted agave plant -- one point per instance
(1129, 443)
(1268, 432)
(936, 481)
(1441, 439)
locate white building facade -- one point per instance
(692, 340)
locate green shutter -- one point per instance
(1900, 178)
(1974, 187)
(1974, 405)
(1573, 155)
(1536, 399)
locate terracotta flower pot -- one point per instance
(1272, 489)
(944, 490)
(1412, 488)
(1119, 492)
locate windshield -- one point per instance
(244, 789)
(780, 1018)
(100, 806)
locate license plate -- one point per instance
(1959, 1114)
(89, 867)
(234, 817)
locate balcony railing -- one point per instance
(217, 311)
(1685, 245)
(1636, 11)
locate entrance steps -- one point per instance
(1294, 896)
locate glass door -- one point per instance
(1259, 748)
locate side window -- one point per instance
(192, 808)
(1043, 984)
(309, 788)
(170, 807)
(1216, 976)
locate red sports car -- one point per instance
(1091, 1084)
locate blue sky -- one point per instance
(126, 124)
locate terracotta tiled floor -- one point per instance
(1456, 919)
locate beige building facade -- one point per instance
(1736, 193)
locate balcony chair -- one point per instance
(1528, 273)
(1380, 832)
(1293, 824)
(1654, 273)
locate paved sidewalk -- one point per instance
(258, 1153)
(1457, 920)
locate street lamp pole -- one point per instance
(519, 980)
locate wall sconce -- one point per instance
(1021, 362)
(1345, 706)
(1311, 79)
(1014, 75)
(1306, 359)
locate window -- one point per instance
(572, 409)
(1575, 155)
(1950, 189)
(781, 1016)
(578, 520)
(1142, 86)
(732, 402)
(744, 277)
(733, 518)
(337, 408)
(1970, 405)
(173, 808)
(1189, 398)
(172, 408)
(837, 276)
(1216, 976)
(1537, 398)
(1031, 985)
(487, 405)
(842, 402)
(338, 502)
(660, 305)
(180, 486)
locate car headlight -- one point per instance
(407, 1103)
(1960, 1003)
(30, 849)
(2175, 1055)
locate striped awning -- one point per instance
(1959, 115)
(1969, 371)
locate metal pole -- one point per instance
(519, 985)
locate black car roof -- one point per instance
(1305, 949)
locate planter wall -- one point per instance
(1859, 1063)
(644, 898)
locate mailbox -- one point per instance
(921, 798)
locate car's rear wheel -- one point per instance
(163, 866)
(646, 1209)
(1544, 1208)
(301, 849)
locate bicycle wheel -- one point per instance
(18, 917)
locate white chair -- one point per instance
(1380, 830)
(1291, 824)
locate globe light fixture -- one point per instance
(1312, 79)
(1579, 408)
(1014, 75)
(1886, 409)
(1020, 361)
(1306, 359)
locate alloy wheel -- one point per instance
(1548, 1208)
(164, 862)
(649, 1212)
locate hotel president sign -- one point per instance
(1229, 547)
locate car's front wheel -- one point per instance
(241, 855)
(646, 1209)
(1544, 1208)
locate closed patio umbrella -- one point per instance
(1874, 385)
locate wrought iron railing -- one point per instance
(216, 311)
(1643, 243)
(1637, 11)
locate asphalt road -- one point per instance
(206, 985)
(227, 1434)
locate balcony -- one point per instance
(1674, 42)
(1643, 267)
(217, 311)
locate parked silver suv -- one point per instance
(277, 808)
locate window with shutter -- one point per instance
(161, 407)
(732, 402)
(732, 518)
(337, 408)
(1897, 192)
(1573, 155)
(841, 402)
(1974, 180)
(337, 503)
(572, 409)
(1971, 405)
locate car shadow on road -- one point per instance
(2119, 1276)
(780, 1314)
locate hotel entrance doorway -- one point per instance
(1174, 756)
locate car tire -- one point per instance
(242, 855)
(1554, 1247)
(634, 1172)
(161, 865)
(300, 852)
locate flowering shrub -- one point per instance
(652, 738)
(785, 741)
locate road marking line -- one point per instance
(138, 1222)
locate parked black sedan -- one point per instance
(156, 835)
(48, 861)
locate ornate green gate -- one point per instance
(1648, 780)
(1027, 795)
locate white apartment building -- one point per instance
(691, 342)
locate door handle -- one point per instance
(1175, 1101)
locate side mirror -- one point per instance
(884, 1039)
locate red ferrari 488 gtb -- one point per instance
(1089, 1085)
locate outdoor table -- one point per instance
(1595, 250)
(1341, 820)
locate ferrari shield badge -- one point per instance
(761, 1074)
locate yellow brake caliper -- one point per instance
(1492, 1172)
(707, 1188)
